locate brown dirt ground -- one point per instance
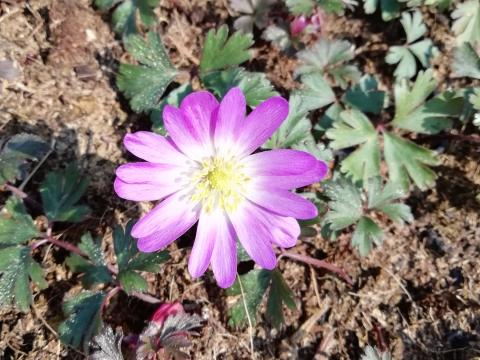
(418, 294)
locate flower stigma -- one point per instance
(219, 183)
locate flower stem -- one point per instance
(319, 264)
(146, 297)
(22, 195)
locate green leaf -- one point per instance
(61, 191)
(316, 93)
(278, 35)
(319, 150)
(254, 284)
(390, 8)
(279, 294)
(15, 153)
(365, 95)
(297, 128)
(300, 7)
(354, 129)
(466, 62)
(411, 113)
(253, 12)
(474, 98)
(367, 233)
(124, 16)
(329, 57)
(335, 6)
(83, 318)
(466, 25)
(144, 84)
(404, 55)
(16, 267)
(384, 200)
(255, 86)
(132, 281)
(345, 205)
(220, 51)
(16, 226)
(128, 256)
(242, 254)
(331, 115)
(174, 98)
(94, 269)
(406, 160)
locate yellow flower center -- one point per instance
(219, 183)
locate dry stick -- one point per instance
(35, 169)
(319, 263)
(250, 325)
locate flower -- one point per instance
(298, 25)
(205, 171)
(167, 333)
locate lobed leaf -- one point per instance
(300, 7)
(221, 51)
(414, 114)
(345, 205)
(83, 318)
(255, 86)
(144, 84)
(16, 226)
(253, 13)
(384, 200)
(406, 160)
(466, 22)
(367, 233)
(15, 153)
(254, 284)
(16, 268)
(466, 62)
(61, 192)
(329, 57)
(404, 55)
(390, 9)
(356, 129)
(125, 13)
(94, 269)
(279, 294)
(365, 95)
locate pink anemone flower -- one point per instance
(205, 171)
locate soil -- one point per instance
(417, 294)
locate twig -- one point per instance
(40, 163)
(319, 264)
(111, 293)
(315, 286)
(250, 325)
(146, 297)
(22, 195)
(399, 283)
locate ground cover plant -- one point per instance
(264, 179)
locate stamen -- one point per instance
(219, 183)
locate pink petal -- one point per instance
(145, 172)
(261, 123)
(198, 107)
(191, 126)
(231, 115)
(154, 148)
(285, 169)
(285, 230)
(142, 192)
(254, 234)
(224, 256)
(203, 246)
(283, 202)
(166, 222)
